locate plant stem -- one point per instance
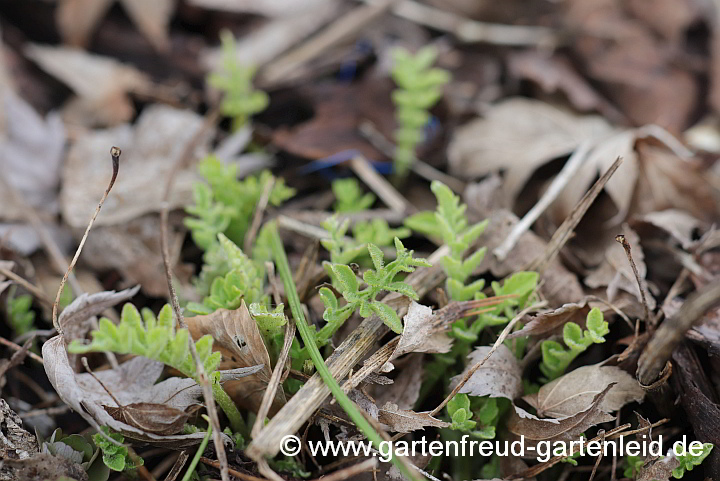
(230, 409)
(198, 455)
(283, 268)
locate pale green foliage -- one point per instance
(419, 88)
(350, 197)
(20, 314)
(477, 416)
(450, 223)
(382, 278)
(378, 232)
(152, 337)
(115, 457)
(342, 250)
(269, 321)
(633, 466)
(241, 100)
(225, 204)
(243, 281)
(555, 358)
(460, 414)
(688, 461)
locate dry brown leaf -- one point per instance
(43, 466)
(132, 382)
(548, 323)
(74, 320)
(150, 150)
(616, 273)
(658, 470)
(101, 83)
(132, 248)
(31, 154)
(420, 333)
(500, 376)
(78, 19)
(522, 423)
(150, 417)
(239, 340)
(405, 389)
(574, 392)
(558, 285)
(519, 135)
(678, 223)
(404, 421)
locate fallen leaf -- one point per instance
(44, 466)
(678, 223)
(403, 421)
(616, 273)
(522, 423)
(74, 319)
(78, 19)
(659, 469)
(559, 285)
(634, 68)
(420, 333)
(555, 73)
(405, 389)
(574, 392)
(239, 340)
(132, 248)
(31, 154)
(548, 323)
(150, 150)
(499, 376)
(519, 135)
(101, 83)
(132, 382)
(150, 417)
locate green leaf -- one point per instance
(388, 315)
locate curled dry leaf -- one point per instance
(500, 376)
(421, 334)
(150, 417)
(73, 320)
(239, 340)
(404, 421)
(678, 223)
(150, 150)
(533, 428)
(659, 469)
(574, 392)
(133, 382)
(546, 324)
(405, 389)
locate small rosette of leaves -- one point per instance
(115, 457)
(350, 197)
(419, 89)
(241, 100)
(151, 337)
(477, 416)
(362, 300)
(689, 461)
(225, 204)
(556, 358)
(244, 280)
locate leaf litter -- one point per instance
(312, 87)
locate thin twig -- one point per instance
(672, 331)
(178, 465)
(380, 185)
(202, 377)
(115, 155)
(274, 383)
(258, 215)
(558, 184)
(17, 347)
(563, 233)
(34, 290)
